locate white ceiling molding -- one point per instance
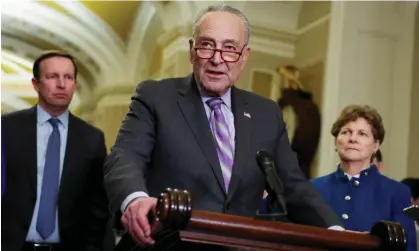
(92, 22)
(14, 102)
(25, 50)
(19, 90)
(17, 47)
(15, 63)
(136, 53)
(314, 24)
(14, 80)
(36, 16)
(26, 54)
(308, 62)
(272, 47)
(12, 57)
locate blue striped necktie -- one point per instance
(49, 193)
(221, 133)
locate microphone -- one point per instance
(276, 189)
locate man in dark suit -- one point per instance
(54, 197)
(200, 133)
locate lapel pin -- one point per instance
(247, 115)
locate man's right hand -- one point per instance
(135, 219)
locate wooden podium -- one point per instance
(178, 223)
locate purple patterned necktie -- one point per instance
(221, 133)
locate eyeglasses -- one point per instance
(226, 55)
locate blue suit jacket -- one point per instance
(366, 200)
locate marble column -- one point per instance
(107, 109)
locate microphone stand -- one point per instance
(277, 210)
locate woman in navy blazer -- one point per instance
(357, 192)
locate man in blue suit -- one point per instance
(55, 198)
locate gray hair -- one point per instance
(223, 8)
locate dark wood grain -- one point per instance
(278, 232)
(178, 223)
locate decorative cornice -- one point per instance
(272, 47)
(275, 34)
(314, 24)
(19, 43)
(46, 24)
(311, 61)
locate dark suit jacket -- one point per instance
(166, 141)
(3, 170)
(82, 206)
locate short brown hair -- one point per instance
(354, 112)
(50, 54)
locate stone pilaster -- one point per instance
(107, 109)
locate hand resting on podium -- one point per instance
(136, 221)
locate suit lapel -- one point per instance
(193, 110)
(243, 136)
(29, 151)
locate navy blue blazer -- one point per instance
(362, 202)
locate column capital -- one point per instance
(105, 95)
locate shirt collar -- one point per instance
(43, 116)
(350, 176)
(340, 174)
(226, 98)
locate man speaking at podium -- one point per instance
(201, 134)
